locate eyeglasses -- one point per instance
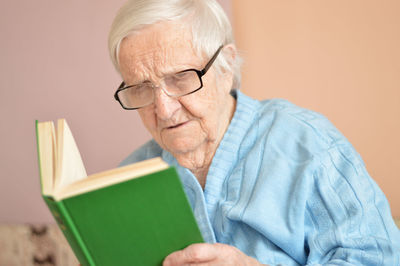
(176, 85)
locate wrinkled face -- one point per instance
(179, 125)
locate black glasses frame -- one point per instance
(200, 74)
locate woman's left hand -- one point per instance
(209, 254)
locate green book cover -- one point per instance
(134, 215)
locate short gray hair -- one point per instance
(209, 25)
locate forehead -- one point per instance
(158, 49)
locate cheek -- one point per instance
(197, 106)
(208, 103)
(202, 104)
(206, 110)
(148, 119)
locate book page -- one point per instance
(111, 177)
(69, 168)
(47, 157)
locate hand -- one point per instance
(209, 254)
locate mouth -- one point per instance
(177, 125)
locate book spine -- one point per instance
(65, 223)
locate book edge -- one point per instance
(38, 155)
(45, 131)
(111, 177)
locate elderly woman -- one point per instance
(268, 182)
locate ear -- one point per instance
(230, 54)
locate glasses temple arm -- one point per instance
(205, 69)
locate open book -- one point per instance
(132, 215)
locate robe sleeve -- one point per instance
(348, 219)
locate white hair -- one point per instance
(209, 25)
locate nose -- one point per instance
(165, 106)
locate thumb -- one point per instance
(195, 253)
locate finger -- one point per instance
(195, 253)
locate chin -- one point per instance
(181, 146)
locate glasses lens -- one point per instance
(136, 96)
(182, 83)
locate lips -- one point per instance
(176, 125)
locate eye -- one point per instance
(182, 75)
(138, 90)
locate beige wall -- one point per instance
(340, 58)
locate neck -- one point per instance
(199, 160)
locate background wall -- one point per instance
(340, 58)
(54, 63)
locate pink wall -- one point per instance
(340, 58)
(54, 63)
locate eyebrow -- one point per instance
(172, 72)
(179, 69)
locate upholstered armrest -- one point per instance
(25, 244)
